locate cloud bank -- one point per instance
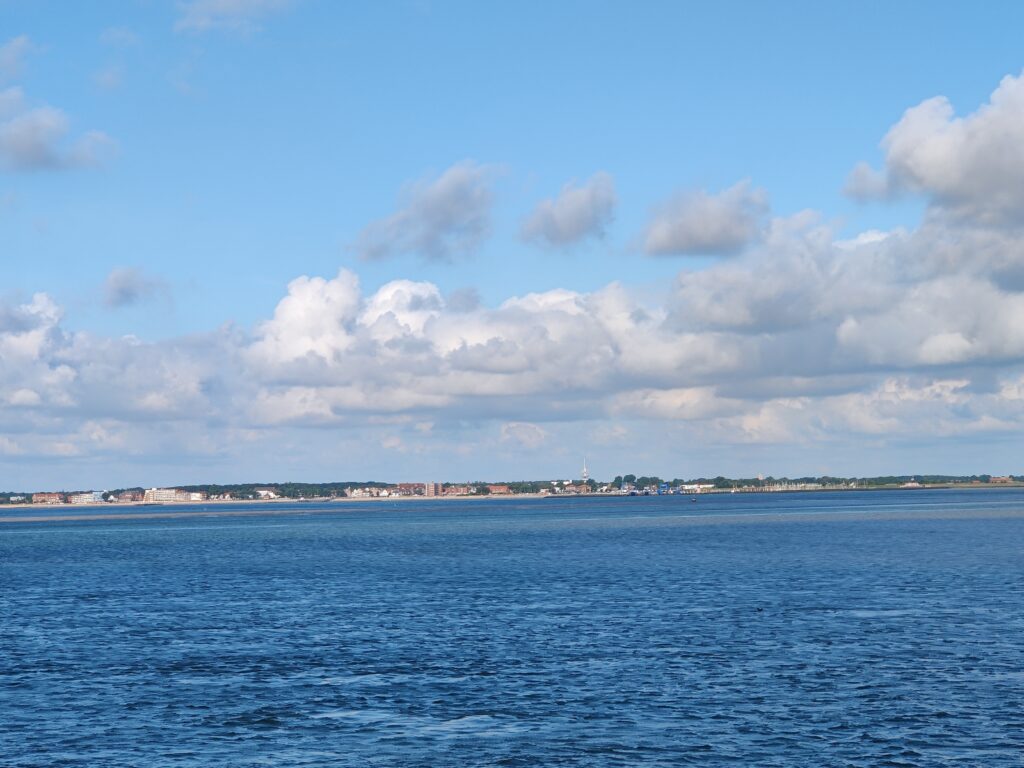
(800, 339)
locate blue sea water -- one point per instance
(846, 629)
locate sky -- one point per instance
(271, 240)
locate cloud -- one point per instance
(119, 37)
(109, 78)
(865, 183)
(35, 138)
(579, 212)
(699, 223)
(969, 166)
(125, 286)
(804, 340)
(312, 320)
(523, 435)
(440, 219)
(239, 15)
(12, 55)
(12, 102)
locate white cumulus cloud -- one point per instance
(971, 165)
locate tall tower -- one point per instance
(584, 475)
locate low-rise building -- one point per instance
(499, 490)
(696, 487)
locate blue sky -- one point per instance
(214, 151)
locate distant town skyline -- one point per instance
(296, 238)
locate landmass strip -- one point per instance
(621, 485)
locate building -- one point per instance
(433, 489)
(411, 489)
(267, 493)
(171, 495)
(499, 490)
(696, 487)
(129, 497)
(47, 498)
(88, 497)
(160, 495)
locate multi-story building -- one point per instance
(169, 495)
(47, 498)
(499, 490)
(88, 497)
(162, 495)
(432, 489)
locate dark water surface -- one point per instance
(853, 629)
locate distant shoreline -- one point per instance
(338, 500)
(768, 516)
(499, 496)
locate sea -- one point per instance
(881, 628)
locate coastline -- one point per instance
(275, 504)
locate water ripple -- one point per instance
(554, 633)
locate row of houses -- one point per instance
(152, 496)
(430, 490)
